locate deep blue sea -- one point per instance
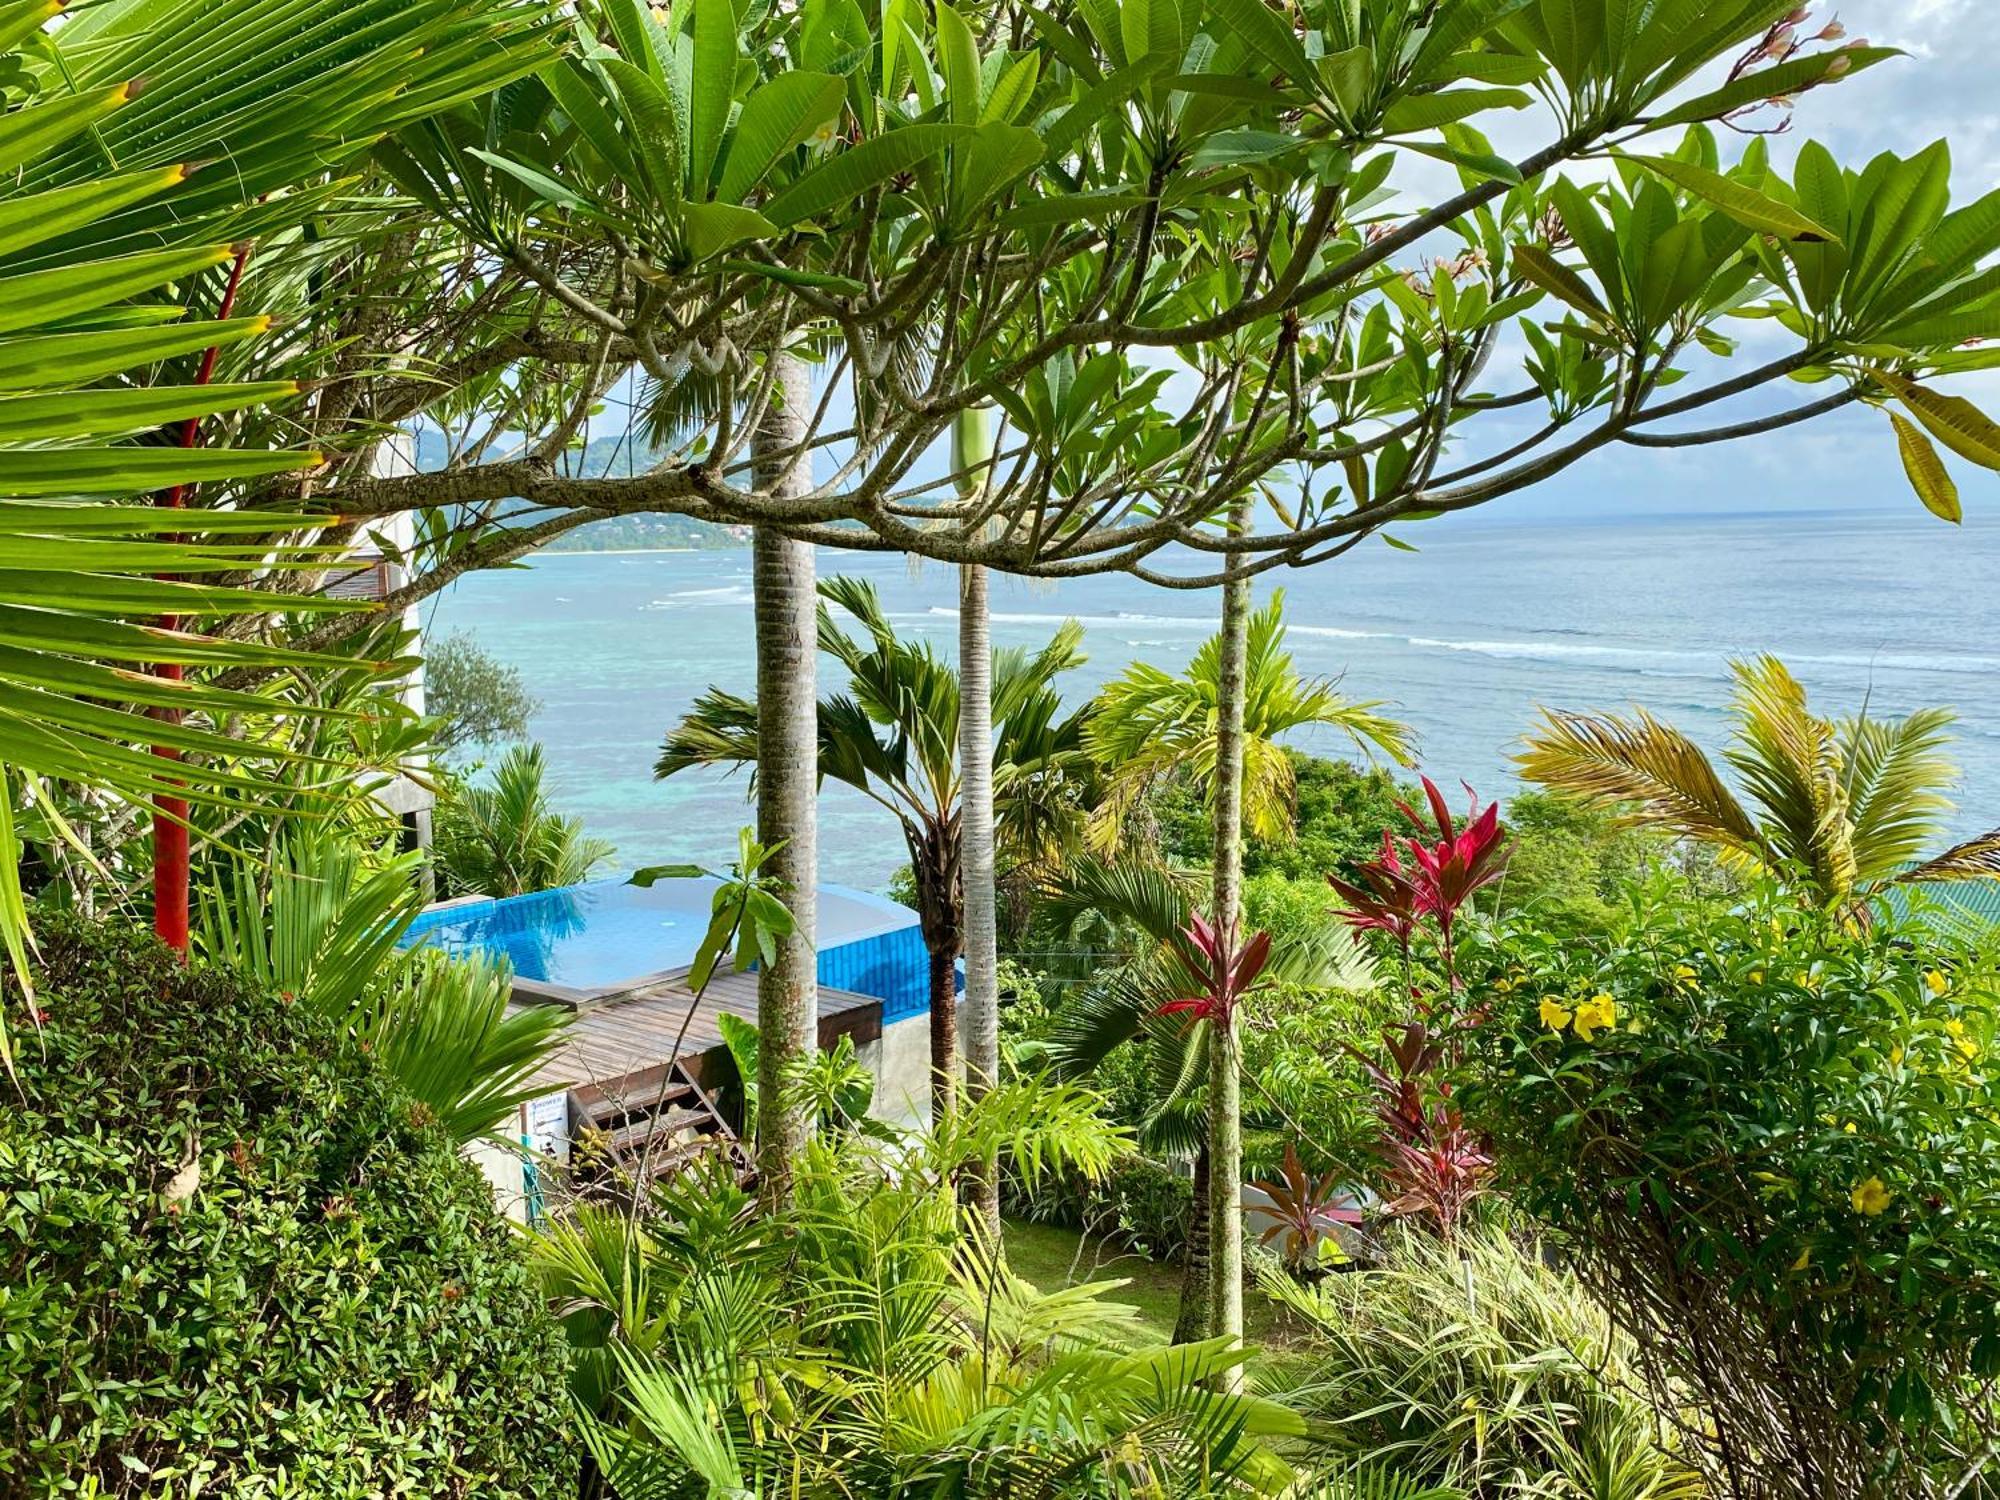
(1463, 639)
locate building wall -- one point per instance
(901, 1062)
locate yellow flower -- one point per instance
(1756, 976)
(1895, 1057)
(1804, 1260)
(1598, 1013)
(1936, 983)
(1870, 1198)
(1553, 1015)
(1966, 1046)
(1683, 974)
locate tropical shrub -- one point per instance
(859, 1339)
(1772, 1136)
(1473, 1363)
(239, 1260)
(500, 837)
(319, 924)
(1137, 1202)
(1338, 816)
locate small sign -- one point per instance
(548, 1125)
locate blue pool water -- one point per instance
(606, 934)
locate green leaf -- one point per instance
(1745, 205)
(75, 471)
(1769, 83)
(840, 180)
(958, 62)
(1552, 276)
(1479, 163)
(1428, 111)
(713, 86)
(27, 133)
(113, 413)
(1269, 34)
(1928, 475)
(648, 876)
(66, 358)
(776, 118)
(715, 227)
(1952, 420)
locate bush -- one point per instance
(1772, 1134)
(334, 1309)
(501, 837)
(1139, 1202)
(1342, 810)
(1472, 1364)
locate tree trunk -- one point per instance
(1225, 1083)
(976, 861)
(1191, 1323)
(944, 1034)
(787, 783)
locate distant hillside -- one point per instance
(620, 456)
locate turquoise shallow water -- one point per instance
(1463, 639)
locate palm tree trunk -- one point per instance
(976, 861)
(1191, 1324)
(944, 1034)
(1225, 1082)
(787, 777)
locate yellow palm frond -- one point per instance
(1975, 859)
(1791, 762)
(1647, 771)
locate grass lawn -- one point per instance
(1052, 1257)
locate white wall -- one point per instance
(901, 1063)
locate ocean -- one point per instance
(1461, 640)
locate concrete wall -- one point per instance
(901, 1063)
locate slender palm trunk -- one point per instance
(934, 851)
(787, 776)
(976, 864)
(1191, 1323)
(1225, 1080)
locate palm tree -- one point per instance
(1151, 724)
(1221, 722)
(503, 838)
(787, 811)
(1845, 807)
(1124, 1005)
(893, 736)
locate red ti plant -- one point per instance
(1303, 1207)
(1432, 1165)
(1225, 973)
(1460, 863)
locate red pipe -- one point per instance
(170, 832)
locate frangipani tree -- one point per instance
(1847, 807)
(1171, 243)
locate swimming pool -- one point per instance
(606, 935)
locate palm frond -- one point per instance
(1790, 760)
(1896, 774)
(1647, 772)
(1975, 859)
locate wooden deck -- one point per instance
(621, 1048)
